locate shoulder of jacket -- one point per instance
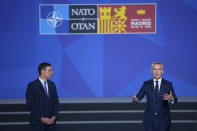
(33, 83)
(50, 82)
(166, 81)
(148, 81)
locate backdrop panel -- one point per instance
(98, 65)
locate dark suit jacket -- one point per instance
(162, 106)
(39, 104)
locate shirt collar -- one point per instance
(159, 80)
(41, 80)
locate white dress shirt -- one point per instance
(159, 83)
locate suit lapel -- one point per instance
(162, 87)
(41, 86)
(152, 86)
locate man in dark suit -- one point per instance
(42, 100)
(159, 93)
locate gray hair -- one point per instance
(157, 63)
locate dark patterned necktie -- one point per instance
(156, 90)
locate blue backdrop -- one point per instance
(97, 65)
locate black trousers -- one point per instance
(43, 127)
(156, 126)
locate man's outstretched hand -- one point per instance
(168, 96)
(135, 99)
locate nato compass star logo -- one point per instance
(54, 19)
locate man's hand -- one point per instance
(168, 96)
(45, 120)
(48, 121)
(52, 120)
(135, 99)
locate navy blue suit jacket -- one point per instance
(163, 110)
(39, 104)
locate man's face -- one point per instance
(157, 71)
(47, 73)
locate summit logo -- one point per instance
(62, 19)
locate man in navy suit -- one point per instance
(42, 100)
(159, 93)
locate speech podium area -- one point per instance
(98, 114)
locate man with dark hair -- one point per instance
(42, 100)
(159, 93)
